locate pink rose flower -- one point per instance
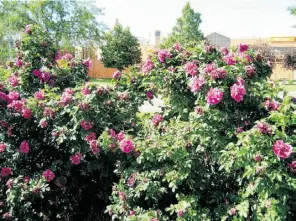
(232, 211)
(229, 60)
(93, 144)
(271, 105)
(48, 175)
(13, 80)
(214, 96)
(4, 97)
(148, 66)
(85, 90)
(48, 112)
(282, 149)
(45, 76)
(17, 105)
(191, 68)
(121, 196)
(126, 145)
(149, 95)
(163, 55)
(117, 75)
(27, 114)
(28, 28)
(196, 83)
(209, 68)
(68, 56)
(224, 51)
(13, 95)
(293, 165)
(176, 47)
(132, 212)
(219, 73)
(19, 63)
(86, 125)
(258, 158)
(24, 147)
(198, 110)
(243, 47)
(5, 171)
(76, 158)
(7, 216)
(43, 123)
(91, 136)
(2, 147)
(39, 95)
(120, 136)
(264, 128)
(157, 118)
(238, 90)
(67, 96)
(250, 70)
(87, 63)
(37, 73)
(26, 179)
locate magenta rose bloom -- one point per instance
(87, 63)
(24, 147)
(264, 128)
(86, 125)
(148, 66)
(293, 165)
(43, 123)
(219, 73)
(120, 136)
(117, 75)
(229, 60)
(68, 56)
(190, 68)
(37, 73)
(48, 175)
(27, 114)
(250, 70)
(149, 95)
(76, 158)
(282, 149)
(224, 51)
(196, 84)
(157, 118)
(209, 68)
(2, 147)
(13, 80)
(5, 171)
(214, 96)
(39, 95)
(13, 95)
(238, 91)
(28, 28)
(163, 55)
(126, 145)
(243, 47)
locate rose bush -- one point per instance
(52, 164)
(180, 173)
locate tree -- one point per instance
(120, 49)
(186, 30)
(70, 22)
(264, 50)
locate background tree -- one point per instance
(264, 50)
(186, 30)
(70, 22)
(120, 49)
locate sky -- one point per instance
(232, 18)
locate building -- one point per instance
(218, 40)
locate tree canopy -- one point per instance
(70, 22)
(187, 30)
(120, 49)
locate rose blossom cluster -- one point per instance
(196, 83)
(264, 128)
(126, 145)
(281, 149)
(93, 144)
(238, 90)
(76, 158)
(43, 76)
(67, 96)
(271, 105)
(24, 147)
(163, 54)
(250, 70)
(86, 125)
(191, 68)
(48, 175)
(214, 96)
(148, 66)
(156, 119)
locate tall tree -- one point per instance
(187, 30)
(120, 49)
(292, 10)
(70, 22)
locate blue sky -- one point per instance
(233, 18)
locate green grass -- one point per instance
(102, 81)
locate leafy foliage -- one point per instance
(121, 48)
(186, 31)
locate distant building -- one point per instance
(218, 40)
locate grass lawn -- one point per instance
(101, 81)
